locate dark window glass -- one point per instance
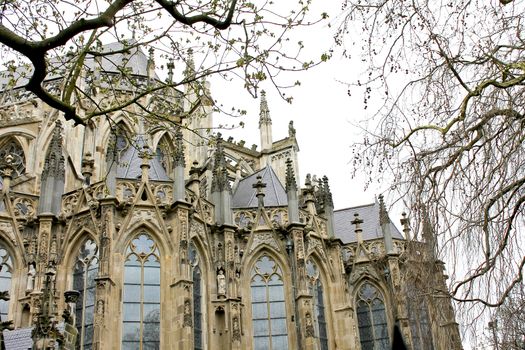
(141, 295)
(419, 321)
(372, 319)
(86, 269)
(268, 306)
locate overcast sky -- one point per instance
(323, 114)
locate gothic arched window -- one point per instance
(316, 290)
(85, 271)
(268, 306)
(197, 298)
(6, 269)
(141, 295)
(18, 160)
(372, 319)
(419, 321)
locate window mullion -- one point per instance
(141, 331)
(84, 292)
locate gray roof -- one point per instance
(19, 339)
(274, 192)
(129, 163)
(134, 61)
(371, 227)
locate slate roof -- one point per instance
(274, 192)
(18, 339)
(134, 60)
(129, 164)
(371, 228)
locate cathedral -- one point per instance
(144, 230)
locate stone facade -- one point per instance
(176, 243)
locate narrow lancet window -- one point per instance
(268, 306)
(141, 295)
(86, 269)
(372, 319)
(316, 290)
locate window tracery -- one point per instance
(316, 290)
(419, 321)
(18, 161)
(141, 295)
(268, 306)
(6, 269)
(84, 274)
(372, 319)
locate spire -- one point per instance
(178, 168)
(220, 173)
(265, 124)
(291, 193)
(384, 221)
(328, 199)
(53, 175)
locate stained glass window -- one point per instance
(85, 271)
(141, 295)
(316, 289)
(372, 319)
(6, 269)
(419, 321)
(197, 298)
(268, 306)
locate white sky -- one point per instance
(323, 114)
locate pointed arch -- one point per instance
(372, 317)
(11, 146)
(150, 228)
(141, 293)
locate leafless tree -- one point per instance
(236, 37)
(445, 84)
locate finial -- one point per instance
(327, 193)
(170, 67)
(87, 167)
(189, 71)
(220, 172)
(264, 111)
(405, 222)
(178, 157)
(383, 214)
(291, 184)
(358, 230)
(259, 186)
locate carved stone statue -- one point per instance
(31, 272)
(291, 129)
(221, 282)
